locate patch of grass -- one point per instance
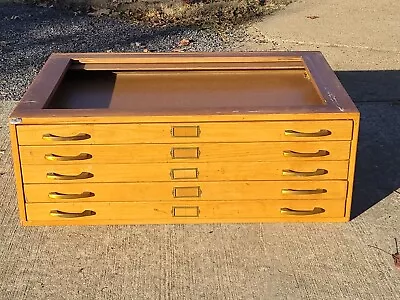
(220, 13)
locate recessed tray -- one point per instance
(163, 91)
(167, 85)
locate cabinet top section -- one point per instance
(146, 87)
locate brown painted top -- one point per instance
(84, 85)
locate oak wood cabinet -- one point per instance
(127, 138)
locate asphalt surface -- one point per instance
(29, 34)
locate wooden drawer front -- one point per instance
(206, 152)
(167, 191)
(180, 211)
(290, 170)
(185, 132)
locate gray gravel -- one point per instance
(28, 35)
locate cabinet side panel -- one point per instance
(17, 172)
(352, 164)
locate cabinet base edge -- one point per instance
(185, 221)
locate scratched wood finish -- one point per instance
(340, 130)
(17, 173)
(167, 191)
(131, 211)
(87, 139)
(184, 172)
(199, 152)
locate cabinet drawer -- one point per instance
(167, 191)
(202, 152)
(176, 212)
(185, 132)
(291, 170)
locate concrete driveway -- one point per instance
(361, 40)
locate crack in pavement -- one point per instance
(333, 45)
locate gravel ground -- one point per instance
(28, 35)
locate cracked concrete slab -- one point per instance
(215, 261)
(353, 35)
(366, 24)
(239, 261)
(340, 58)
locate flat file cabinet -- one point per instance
(104, 138)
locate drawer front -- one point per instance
(201, 152)
(168, 191)
(181, 211)
(185, 132)
(290, 170)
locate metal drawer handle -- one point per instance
(288, 172)
(55, 157)
(62, 214)
(78, 137)
(319, 153)
(303, 192)
(56, 176)
(322, 132)
(289, 211)
(57, 195)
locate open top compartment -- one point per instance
(221, 91)
(183, 84)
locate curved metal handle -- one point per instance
(318, 172)
(56, 176)
(319, 153)
(289, 211)
(55, 157)
(322, 132)
(78, 137)
(62, 214)
(57, 195)
(303, 192)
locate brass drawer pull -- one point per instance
(56, 176)
(319, 153)
(322, 132)
(315, 211)
(78, 137)
(303, 192)
(62, 214)
(186, 191)
(318, 172)
(182, 153)
(190, 173)
(55, 157)
(185, 211)
(185, 131)
(56, 195)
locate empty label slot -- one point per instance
(185, 211)
(190, 191)
(184, 173)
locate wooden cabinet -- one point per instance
(184, 138)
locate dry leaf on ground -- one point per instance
(183, 43)
(395, 256)
(100, 12)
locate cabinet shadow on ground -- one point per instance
(377, 96)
